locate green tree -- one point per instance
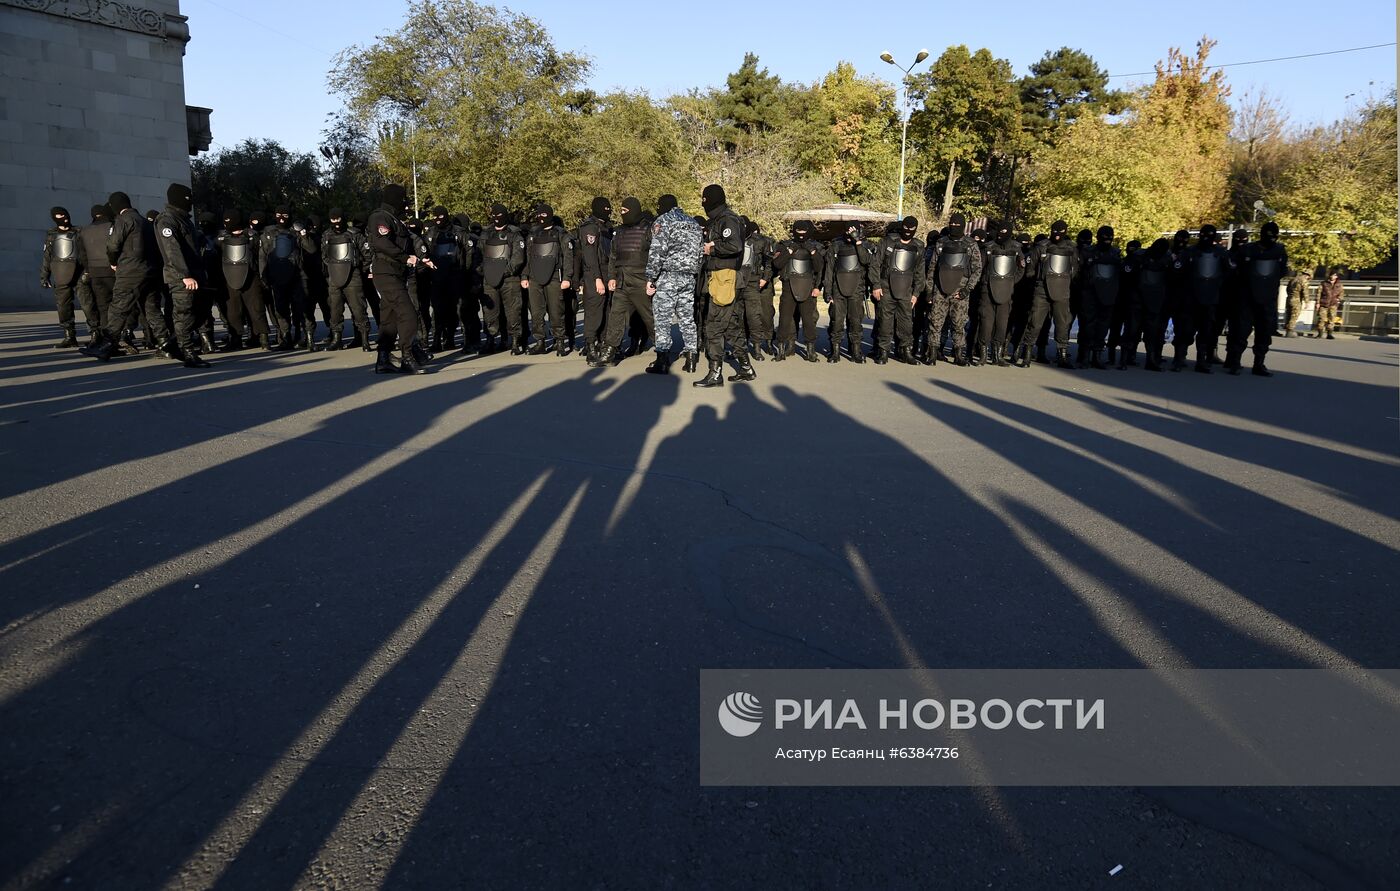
(967, 128)
(1061, 87)
(1344, 192)
(752, 103)
(1188, 110)
(482, 98)
(853, 137)
(256, 173)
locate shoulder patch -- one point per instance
(383, 229)
(166, 232)
(592, 238)
(727, 232)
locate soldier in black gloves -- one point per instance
(848, 275)
(953, 271)
(800, 264)
(1004, 267)
(63, 265)
(182, 271)
(341, 259)
(502, 260)
(1053, 264)
(549, 263)
(898, 283)
(395, 258)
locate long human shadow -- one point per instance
(1333, 357)
(1228, 531)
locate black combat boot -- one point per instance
(384, 361)
(192, 359)
(905, 354)
(563, 346)
(1001, 358)
(1023, 356)
(1203, 362)
(758, 350)
(881, 356)
(833, 355)
(979, 357)
(69, 341)
(661, 364)
(1062, 357)
(414, 360)
(692, 362)
(1108, 360)
(233, 344)
(536, 349)
(1040, 355)
(1259, 370)
(1153, 361)
(517, 347)
(488, 346)
(603, 358)
(712, 378)
(206, 344)
(960, 359)
(857, 353)
(745, 371)
(811, 354)
(780, 351)
(264, 342)
(103, 351)
(1096, 360)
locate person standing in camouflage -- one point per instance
(953, 271)
(1297, 295)
(672, 264)
(1329, 306)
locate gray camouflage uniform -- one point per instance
(672, 264)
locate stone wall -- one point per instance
(92, 100)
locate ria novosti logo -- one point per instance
(740, 714)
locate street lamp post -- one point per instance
(904, 135)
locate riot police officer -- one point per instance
(549, 262)
(1005, 266)
(280, 255)
(1150, 271)
(800, 264)
(179, 243)
(848, 277)
(1053, 264)
(721, 285)
(1206, 264)
(395, 257)
(626, 263)
(238, 258)
(1264, 264)
(954, 269)
(342, 261)
(95, 282)
(594, 239)
(758, 291)
(502, 260)
(1102, 271)
(900, 281)
(448, 246)
(64, 260)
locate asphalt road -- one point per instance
(283, 623)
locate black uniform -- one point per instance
(95, 284)
(451, 253)
(317, 292)
(179, 243)
(1053, 264)
(594, 238)
(392, 245)
(1003, 270)
(419, 281)
(626, 263)
(135, 291)
(246, 298)
(280, 252)
(900, 281)
(343, 264)
(1150, 273)
(65, 259)
(800, 264)
(724, 321)
(1102, 270)
(502, 259)
(1206, 266)
(953, 271)
(549, 262)
(758, 290)
(848, 276)
(1263, 266)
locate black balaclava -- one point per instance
(1058, 230)
(314, 220)
(957, 226)
(908, 226)
(1159, 247)
(1039, 237)
(283, 215)
(337, 219)
(1084, 238)
(665, 203)
(235, 221)
(979, 234)
(712, 197)
(1134, 245)
(256, 218)
(802, 230)
(60, 217)
(119, 202)
(179, 197)
(208, 223)
(412, 224)
(1208, 236)
(750, 227)
(1181, 239)
(498, 215)
(152, 215)
(394, 197)
(1269, 233)
(1003, 233)
(602, 208)
(101, 213)
(1105, 235)
(631, 210)
(543, 215)
(440, 216)
(1239, 238)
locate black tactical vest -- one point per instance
(236, 256)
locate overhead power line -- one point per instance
(1353, 49)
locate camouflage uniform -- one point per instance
(1297, 295)
(672, 264)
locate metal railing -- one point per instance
(1368, 307)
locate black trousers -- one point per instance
(547, 297)
(723, 323)
(894, 322)
(352, 295)
(291, 308)
(844, 316)
(791, 310)
(133, 299)
(1252, 315)
(1093, 322)
(501, 308)
(1194, 323)
(469, 310)
(1043, 307)
(247, 302)
(449, 286)
(597, 319)
(420, 289)
(202, 305)
(398, 320)
(991, 323)
(96, 291)
(63, 301)
(630, 298)
(185, 316)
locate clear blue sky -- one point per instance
(242, 49)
